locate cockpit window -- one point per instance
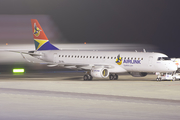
(163, 58)
(166, 58)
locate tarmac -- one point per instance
(65, 96)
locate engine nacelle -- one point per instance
(138, 74)
(99, 72)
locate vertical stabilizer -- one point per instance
(40, 40)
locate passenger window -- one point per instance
(93, 56)
(59, 55)
(131, 58)
(141, 58)
(104, 57)
(72, 56)
(62, 55)
(111, 57)
(114, 57)
(96, 56)
(107, 57)
(86, 56)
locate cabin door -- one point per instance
(150, 62)
(55, 58)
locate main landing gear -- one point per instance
(113, 76)
(87, 77)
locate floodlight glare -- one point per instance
(18, 70)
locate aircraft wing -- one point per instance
(85, 66)
(24, 52)
(53, 64)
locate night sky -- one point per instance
(155, 22)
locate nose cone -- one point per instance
(173, 67)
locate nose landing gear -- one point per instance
(167, 76)
(158, 79)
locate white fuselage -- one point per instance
(131, 61)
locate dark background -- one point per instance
(155, 22)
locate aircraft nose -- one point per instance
(174, 67)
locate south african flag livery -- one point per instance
(40, 40)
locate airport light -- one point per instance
(18, 70)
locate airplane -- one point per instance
(100, 64)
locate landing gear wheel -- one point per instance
(90, 77)
(85, 77)
(111, 77)
(174, 79)
(115, 76)
(158, 79)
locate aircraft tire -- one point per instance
(158, 79)
(85, 77)
(115, 76)
(111, 77)
(90, 77)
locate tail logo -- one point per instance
(119, 60)
(36, 30)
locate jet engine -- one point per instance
(99, 72)
(138, 74)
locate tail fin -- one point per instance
(40, 40)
